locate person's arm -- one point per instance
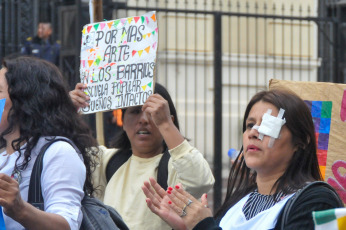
(23, 212)
(315, 199)
(187, 165)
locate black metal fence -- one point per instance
(212, 55)
(16, 24)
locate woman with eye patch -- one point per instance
(149, 146)
(270, 184)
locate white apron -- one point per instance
(235, 218)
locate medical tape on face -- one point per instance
(270, 126)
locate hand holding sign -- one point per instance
(158, 109)
(118, 62)
(79, 98)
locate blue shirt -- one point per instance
(42, 49)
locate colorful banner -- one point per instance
(118, 62)
(331, 219)
(327, 102)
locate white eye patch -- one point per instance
(270, 126)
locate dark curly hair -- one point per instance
(41, 107)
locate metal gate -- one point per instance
(214, 55)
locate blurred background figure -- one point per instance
(42, 45)
(113, 123)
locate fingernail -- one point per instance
(206, 195)
(177, 187)
(169, 192)
(170, 188)
(169, 202)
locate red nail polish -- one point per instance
(206, 195)
(169, 192)
(170, 188)
(169, 202)
(177, 187)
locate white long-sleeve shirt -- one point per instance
(62, 181)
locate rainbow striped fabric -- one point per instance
(331, 219)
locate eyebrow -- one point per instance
(250, 119)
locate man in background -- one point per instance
(42, 45)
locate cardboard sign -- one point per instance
(118, 62)
(327, 102)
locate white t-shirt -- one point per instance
(62, 181)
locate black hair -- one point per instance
(41, 106)
(303, 166)
(121, 140)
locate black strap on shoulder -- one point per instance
(122, 156)
(117, 160)
(35, 192)
(162, 172)
(287, 209)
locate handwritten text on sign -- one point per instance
(118, 61)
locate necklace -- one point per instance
(17, 175)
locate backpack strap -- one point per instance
(118, 159)
(162, 172)
(287, 209)
(35, 191)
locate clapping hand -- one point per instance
(176, 206)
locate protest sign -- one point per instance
(327, 103)
(118, 62)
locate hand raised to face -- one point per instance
(158, 110)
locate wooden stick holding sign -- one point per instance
(96, 15)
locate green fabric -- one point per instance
(322, 217)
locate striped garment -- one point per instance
(258, 203)
(331, 219)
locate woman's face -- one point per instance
(144, 136)
(258, 156)
(4, 95)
